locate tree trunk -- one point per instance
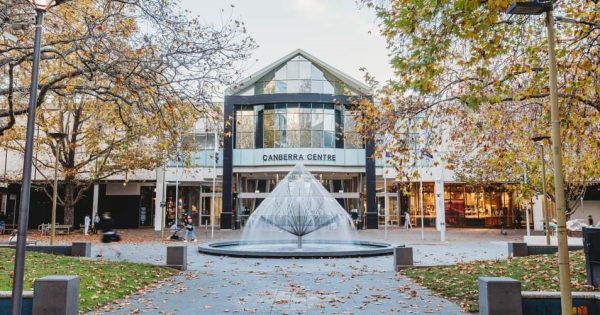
(69, 202)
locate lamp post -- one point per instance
(58, 137)
(385, 201)
(177, 159)
(540, 141)
(214, 184)
(19, 268)
(536, 8)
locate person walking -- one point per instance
(354, 216)
(503, 221)
(86, 224)
(109, 235)
(96, 224)
(189, 227)
(518, 219)
(407, 224)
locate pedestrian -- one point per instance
(13, 237)
(86, 224)
(354, 215)
(96, 224)
(503, 221)
(109, 235)
(189, 227)
(407, 224)
(518, 219)
(590, 220)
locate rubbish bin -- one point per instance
(591, 248)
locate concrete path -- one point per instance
(223, 285)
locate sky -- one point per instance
(338, 32)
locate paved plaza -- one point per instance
(226, 285)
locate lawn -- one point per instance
(100, 281)
(536, 273)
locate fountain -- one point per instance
(298, 219)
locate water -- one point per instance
(299, 209)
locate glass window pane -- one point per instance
(293, 70)
(269, 87)
(316, 87)
(280, 139)
(317, 119)
(210, 141)
(305, 119)
(293, 119)
(245, 140)
(328, 141)
(293, 139)
(281, 73)
(329, 121)
(293, 86)
(327, 87)
(304, 69)
(280, 87)
(317, 139)
(316, 74)
(305, 86)
(305, 139)
(268, 139)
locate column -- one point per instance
(160, 199)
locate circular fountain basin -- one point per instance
(289, 249)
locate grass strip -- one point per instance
(536, 273)
(101, 281)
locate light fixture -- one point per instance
(45, 4)
(540, 138)
(529, 8)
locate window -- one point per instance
(298, 75)
(244, 128)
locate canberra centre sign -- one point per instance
(299, 157)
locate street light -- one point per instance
(536, 8)
(214, 183)
(19, 268)
(540, 141)
(58, 137)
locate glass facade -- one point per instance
(464, 205)
(296, 125)
(298, 75)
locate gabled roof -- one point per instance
(346, 79)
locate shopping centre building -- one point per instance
(296, 110)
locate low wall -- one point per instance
(63, 250)
(548, 303)
(548, 249)
(5, 302)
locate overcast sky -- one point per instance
(335, 31)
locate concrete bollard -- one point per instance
(177, 257)
(500, 296)
(81, 249)
(56, 295)
(403, 257)
(517, 249)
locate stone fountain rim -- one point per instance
(219, 248)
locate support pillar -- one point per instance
(372, 215)
(95, 202)
(499, 296)
(56, 295)
(160, 198)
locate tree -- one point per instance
(123, 79)
(475, 79)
